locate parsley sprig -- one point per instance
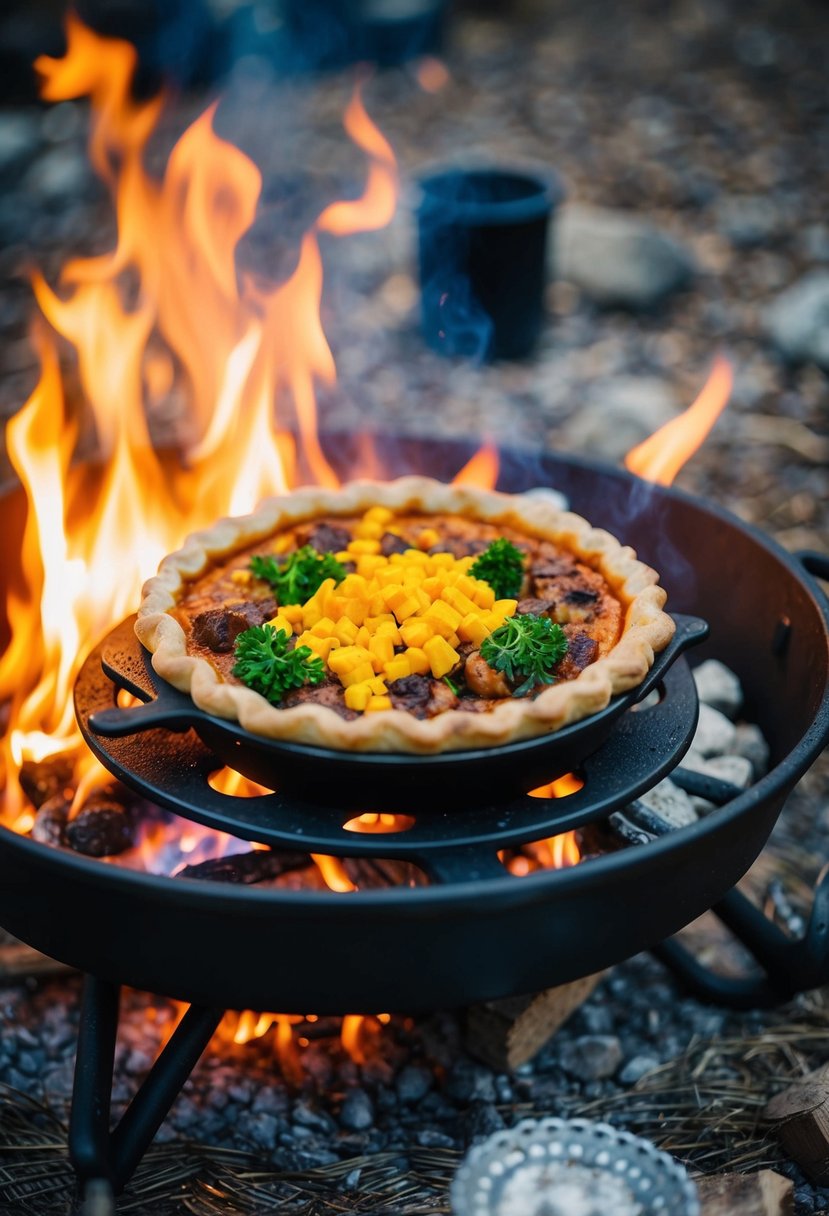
(502, 566)
(300, 575)
(265, 664)
(528, 646)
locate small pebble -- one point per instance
(592, 1057)
(718, 687)
(357, 1111)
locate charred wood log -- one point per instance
(260, 865)
(374, 873)
(104, 827)
(50, 821)
(43, 780)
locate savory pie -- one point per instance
(409, 616)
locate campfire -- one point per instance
(176, 844)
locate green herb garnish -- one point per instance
(502, 566)
(265, 664)
(451, 685)
(300, 575)
(527, 646)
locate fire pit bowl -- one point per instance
(476, 932)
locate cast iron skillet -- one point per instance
(395, 780)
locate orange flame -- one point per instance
(664, 453)
(481, 470)
(230, 342)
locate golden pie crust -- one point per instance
(646, 627)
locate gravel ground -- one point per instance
(710, 124)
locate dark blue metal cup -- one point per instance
(482, 259)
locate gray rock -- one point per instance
(357, 1112)
(413, 1083)
(747, 220)
(470, 1082)
(637, 1068)
(19, 139)
(719, 687)
(750, 743)
(314, 1120)
(592, 1057)
(670, 803)
(715, 734)
(798, 320)
(619, 413)
(60, 175)
(481, 1121)
(260, 1129)
(736, 770)
(619, 259)
(431, 1138)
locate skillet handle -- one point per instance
(690, 631)
(170, 709)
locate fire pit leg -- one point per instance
(789, 964)
(89, 1149)
(96, 1152)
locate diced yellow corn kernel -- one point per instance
(418, 660)
(442, 657)
(467, 585)
(363, 637)
(282, 543)
(454, 640)
(347, 658)
(434, 584)
(397, 668)
(378, 703)
(346, 631)
(291, 612)
(457, 600)
(344, 556)
(443, 561)
(505, 608)
(483, 595)
(241, 577)
(381, 650)
(363, 671)
(356, 610)
(388, 575)
(377, 684)
(357, 696)
(353, 584)
(416, 632)
(443, 618)
(381, 515)
(369, 563)
(388, 629)
(324, 628)
(427, 538)
(411, 604)
(356, 547)
(320, 646)
(416, 560)
(368, 529)
(473, 629)
(280, 622)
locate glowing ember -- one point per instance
(662, 455)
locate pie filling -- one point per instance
(414, 612)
